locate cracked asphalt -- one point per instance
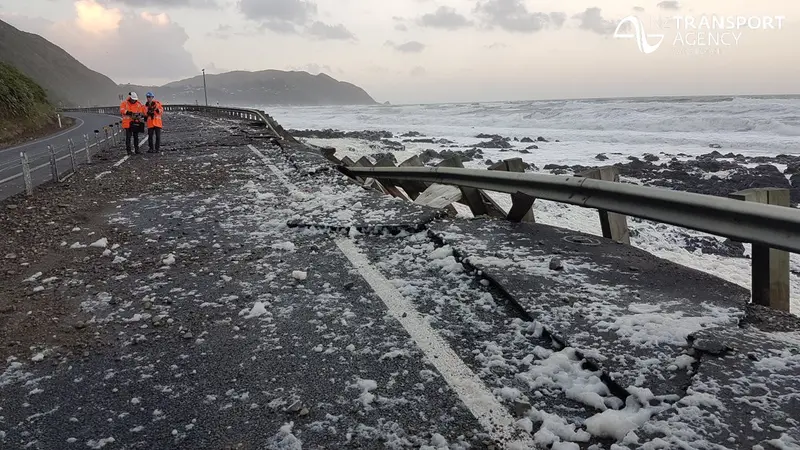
(201, 298)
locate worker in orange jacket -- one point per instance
(154, 124)
(133, 119)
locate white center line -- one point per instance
(492, 415)
(285, 181)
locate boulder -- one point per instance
(601, 157)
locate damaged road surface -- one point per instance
(237, 292)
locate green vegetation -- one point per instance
(24, 109)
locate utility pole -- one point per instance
(204, 86)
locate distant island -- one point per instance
(67, 82)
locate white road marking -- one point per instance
(493, 416)
(46, 138)
(285, 181)
(102, 174)
(124, 158)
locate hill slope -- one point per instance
(266, 87)
(24, 109)
(64, 78)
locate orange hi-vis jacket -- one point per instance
(157, 109)
(134, 108)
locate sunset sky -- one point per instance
(423, 51)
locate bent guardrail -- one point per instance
(766, 226)
(220, 111)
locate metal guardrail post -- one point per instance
(106, 140)
(26, 173)
(71, 147)
(770, 267)
(521, 204)
(86, 147)
(53, 163)
(97, 139)
(113, 136)
(614, 226)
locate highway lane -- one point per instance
(86, 124)
(11, 180)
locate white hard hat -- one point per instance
(134, 96)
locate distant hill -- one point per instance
(65, 79)
(266, 87)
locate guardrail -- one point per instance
(54, 163)
(769, 228)
(219, 111)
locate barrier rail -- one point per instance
(220, 111)
(766, 226)
(46, 163)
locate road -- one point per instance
(86, 124)
(232, 293)
(38, 155)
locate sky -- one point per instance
(430, 51)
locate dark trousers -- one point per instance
(134, 132)
(157, 141)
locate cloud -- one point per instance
(198, 4)
(669, 4)
(592, 20)
(400, 27)
(638, 9)
(408, 47)
(313, 68)
(513, 16)
(324, 31)
(278, 15)
(100, 40)
(496, 45)
(95, 18)
(446, 18)
(418, 71)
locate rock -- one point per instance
(793, 168)
(377, 157)
(428, 155)
(411, 134)
(516, 140)
(541, 139)
(556, 264)
(188, 335)
(11, 206)
(488, 162)
(714, 146)
(496, 142)
(526, 139)
(713, 246)
(532, 147)
(295, 407)
(11, 256)
(147, 305)
(601, 157)
(650, 157)
(521, 408)
(349, 285)
(80, 325)
(713, 347)
(304, 412)
(525, 151)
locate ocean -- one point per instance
(617, 128)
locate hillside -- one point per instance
(267, 87)
(64, 78)
(24, 109)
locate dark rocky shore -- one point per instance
(714, 173)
